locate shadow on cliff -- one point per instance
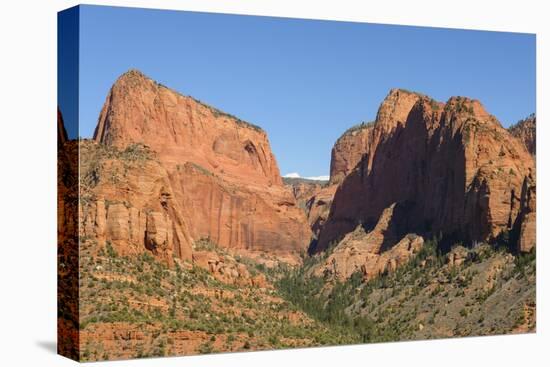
(421, 166)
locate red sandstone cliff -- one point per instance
(371, 253)
(315, 199)
(127, 200)
(526, 131)
(457, 169)
(181, 129)
(348, 151)
(212, 176)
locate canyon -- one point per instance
(176, 216)
(450, 169)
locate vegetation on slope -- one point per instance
(137, 307)
(491, 292)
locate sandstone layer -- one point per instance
(318, 208)
(381, 250)
(213, 176)
(526, 131)
(348, 151)
(460, 173)
(127, 201)
(524, 230)
(315, 199)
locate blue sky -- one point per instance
(303, 81)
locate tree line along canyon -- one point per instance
(178, 235)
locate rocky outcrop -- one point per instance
(181, 129)
(526, 131)
(525, 227)
(372, 253)
(226, 269)
(525, 232)
(127, 200)
(315, 199)
(303, 189)
(213, 176)
(453, 165)
(240, 216)
(364, 138)
(318, 208)
(457, 256)
(348, 151)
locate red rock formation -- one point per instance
(318, 207)
(303, 189)
(127, 199)
(227, 270)
(348, 151)
(364, 139)
(218, 172)
(454, 165)
(315, 199)
(526, 131)
(525, 226)
(238, 215)
(181, 129)
(382, 249)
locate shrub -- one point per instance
(111, 252)
(206, 348)
(524, 260)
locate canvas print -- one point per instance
(233, 183)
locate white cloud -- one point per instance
(315, 178)
(319, 178)
(292, 175)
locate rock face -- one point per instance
(525, 224)
(226, 269)
(303, 189)
(457, 256)
(315, 199)
(363, 139)
(127, 200)
(382, 249)
(453, 165)
(318, 208)
(214, 176)
(348, 151)
(181, 129)
(526, 131)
